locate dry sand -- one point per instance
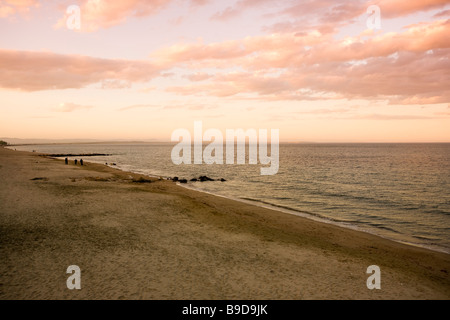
(160, 241)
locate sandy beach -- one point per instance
(142, 240)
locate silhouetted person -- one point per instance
(81, 161)
(76, 161)
(66, 161)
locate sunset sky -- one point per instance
(141, 69)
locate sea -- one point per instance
(397, 191)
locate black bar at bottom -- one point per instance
(213, 309)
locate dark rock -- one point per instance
(175, 179)
(141, 180)
(205, 178)
(39, 178)
(223, 180)
(183, 181)
(194, 179)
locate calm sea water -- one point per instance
(398, 191)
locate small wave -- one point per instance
(425, 238)
(303, 212)
(383, 227)
(438, 212)
(278, 206)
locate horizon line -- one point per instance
(35, 141)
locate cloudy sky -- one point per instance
(323, 70)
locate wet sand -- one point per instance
(140, 240)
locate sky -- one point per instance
(319, 71)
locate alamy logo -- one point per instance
(214, 151)
(74, 281)
(74, 17)
(374, 19)
(374, 281)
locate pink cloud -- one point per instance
(11, 7)
(442, 14)
(239, 8)
(416, 38)
(199, 76)
(70, 107)
(385, 117)
(102, 14)
(279, 67)
(274, 46)
(399, 8)
(294, 50)
(32, 71)
(200, 2)
(304, 65)
(98, 14)
(328, 16)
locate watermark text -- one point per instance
(238, 139)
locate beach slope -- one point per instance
(134, 239)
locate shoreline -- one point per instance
(407, 239)
(275, 254)
(286, 210)
(283, 209)
(316, 218)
